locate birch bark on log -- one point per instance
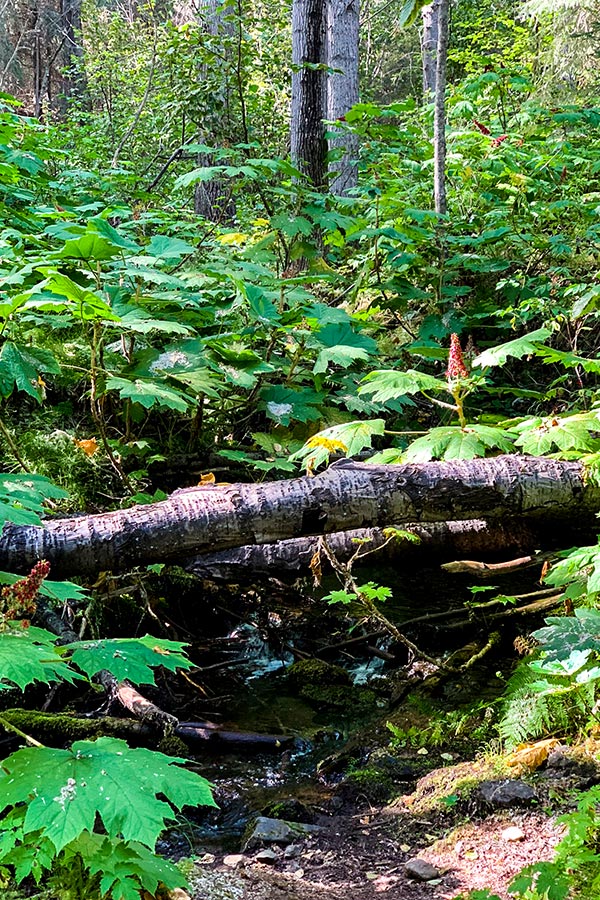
(442, 540)
(347, 495)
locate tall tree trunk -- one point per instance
(73, 76)
(439, 121)
(212, 199)
(429, 42)
(347, 495)
(343, 19)
(307, 130)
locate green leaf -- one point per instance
(148, 394)
(131, 658)
(22, 498)
(538, 436)
(20, 368)
(527, 345)
(87, 304)
(261, 306)
(454, 442)
(339, 355)
(343, 334)
(349, 438)
(284, 405)
(88, 247)
(389, 385)
(28, 655)
(66, 789)
(167, 248)
(410, 11)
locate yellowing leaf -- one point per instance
(208, 478)
(330, 444)
(532, 756)
(89, 446)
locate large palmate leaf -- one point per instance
(340, 355)
(388, 384)
(148, 394)
(124, 866)
(343, 334)
(284, 405)
(348, 439)
(544, 435)
(526, 345)
(565, 635)
(21, 368)
(22, 498)
(454, 442)
(28, 655)
(67, 789)
(131, 658)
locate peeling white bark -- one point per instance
(347, 495)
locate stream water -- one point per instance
(249, 783)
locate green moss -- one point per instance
(316, 672)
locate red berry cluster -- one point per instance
(456, 364)
(17, 601)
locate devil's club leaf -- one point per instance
(132, 658)
(28, 655)
(66, 790)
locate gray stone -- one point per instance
(233, 860)
(421, 870)
(268, 857)
(507, 793)
(276, 831)
(292, 851)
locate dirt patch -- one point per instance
(362, 858)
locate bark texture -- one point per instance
(307, 131)
(440, 539)
(429, 41)
(342, 87)
(439, 119)
(346, 496)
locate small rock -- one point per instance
(276, 831)
(267, 857)
(292, 851)
(233, 860)
(421, 870)
(512, 834)
(510, 792)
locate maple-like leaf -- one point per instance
(131, 658)
(67, 789)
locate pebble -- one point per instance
(513, 833)
(233, 860)
(267, 857)
(421, 870)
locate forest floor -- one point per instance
(363, 857)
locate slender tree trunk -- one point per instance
(347, 495)
(343, 21)
(73, 77)
(429, 42)
(212, 199)
(439, 121)
(307, 130)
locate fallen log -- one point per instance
(347, 495)
(437, 539)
